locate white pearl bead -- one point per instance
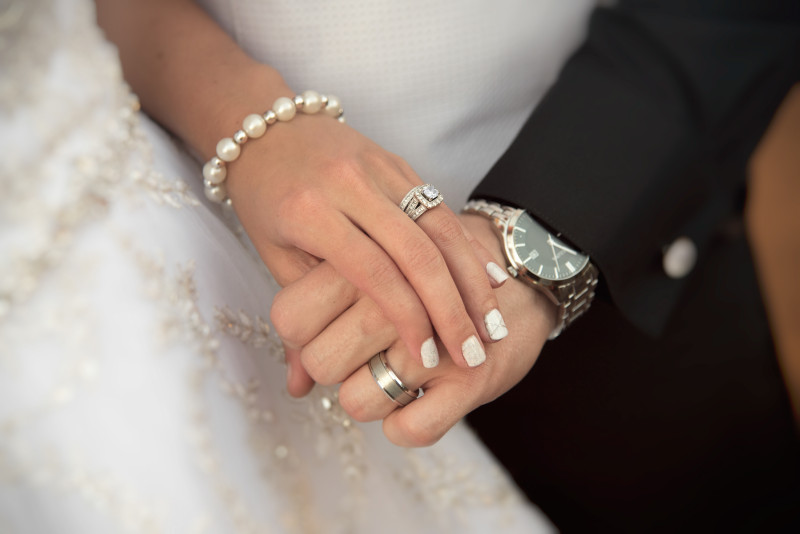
(228, 150)
(254, 126)
(213, 173)
(342, 119)
(284, 109)
(312, 102)
(217, 193)
(333, 108)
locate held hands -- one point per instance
(320, 203)
(333, 331)
(312, 189)
(315, 189)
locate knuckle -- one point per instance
(371, 323)
(344, 171)
(406, 314)
(424, 258)
(416, 434)
(353, 404)
(453, 317)
(317, 365)
(304, 198)
(447, 231)
(380, 272)
(403, 165)
(298, 206)
(282, 317)
(473, 241)
(379, 160)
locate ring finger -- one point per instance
(362, 397)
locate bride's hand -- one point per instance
(311, 188)
(315, 188)
(339, 350)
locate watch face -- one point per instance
(542, 253)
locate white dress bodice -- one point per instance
(445, 84)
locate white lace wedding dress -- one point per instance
(141, 388)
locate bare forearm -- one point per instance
(189, 74)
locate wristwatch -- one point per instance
(539, 257)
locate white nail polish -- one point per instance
(495, 325)
(430, 354)
(473, 351)
(496, 273)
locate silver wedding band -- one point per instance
(420, 199)
(389, 382)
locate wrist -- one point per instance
(254, 126)
(541, 257)
(252, 89)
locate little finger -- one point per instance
(298, 381)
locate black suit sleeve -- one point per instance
(646, 134)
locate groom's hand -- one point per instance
(333, 331)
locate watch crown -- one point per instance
(512, 271)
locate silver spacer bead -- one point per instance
(240, 137)
(324, 100)
(270, 117)
(341, 119)
(298, 101)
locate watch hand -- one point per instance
(550, 242)
(566, 249)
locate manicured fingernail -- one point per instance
(496, 273)
(430, 354)
(473, 351)
(495, 325)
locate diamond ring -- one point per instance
(419, 200)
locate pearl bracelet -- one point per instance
(254, 126)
